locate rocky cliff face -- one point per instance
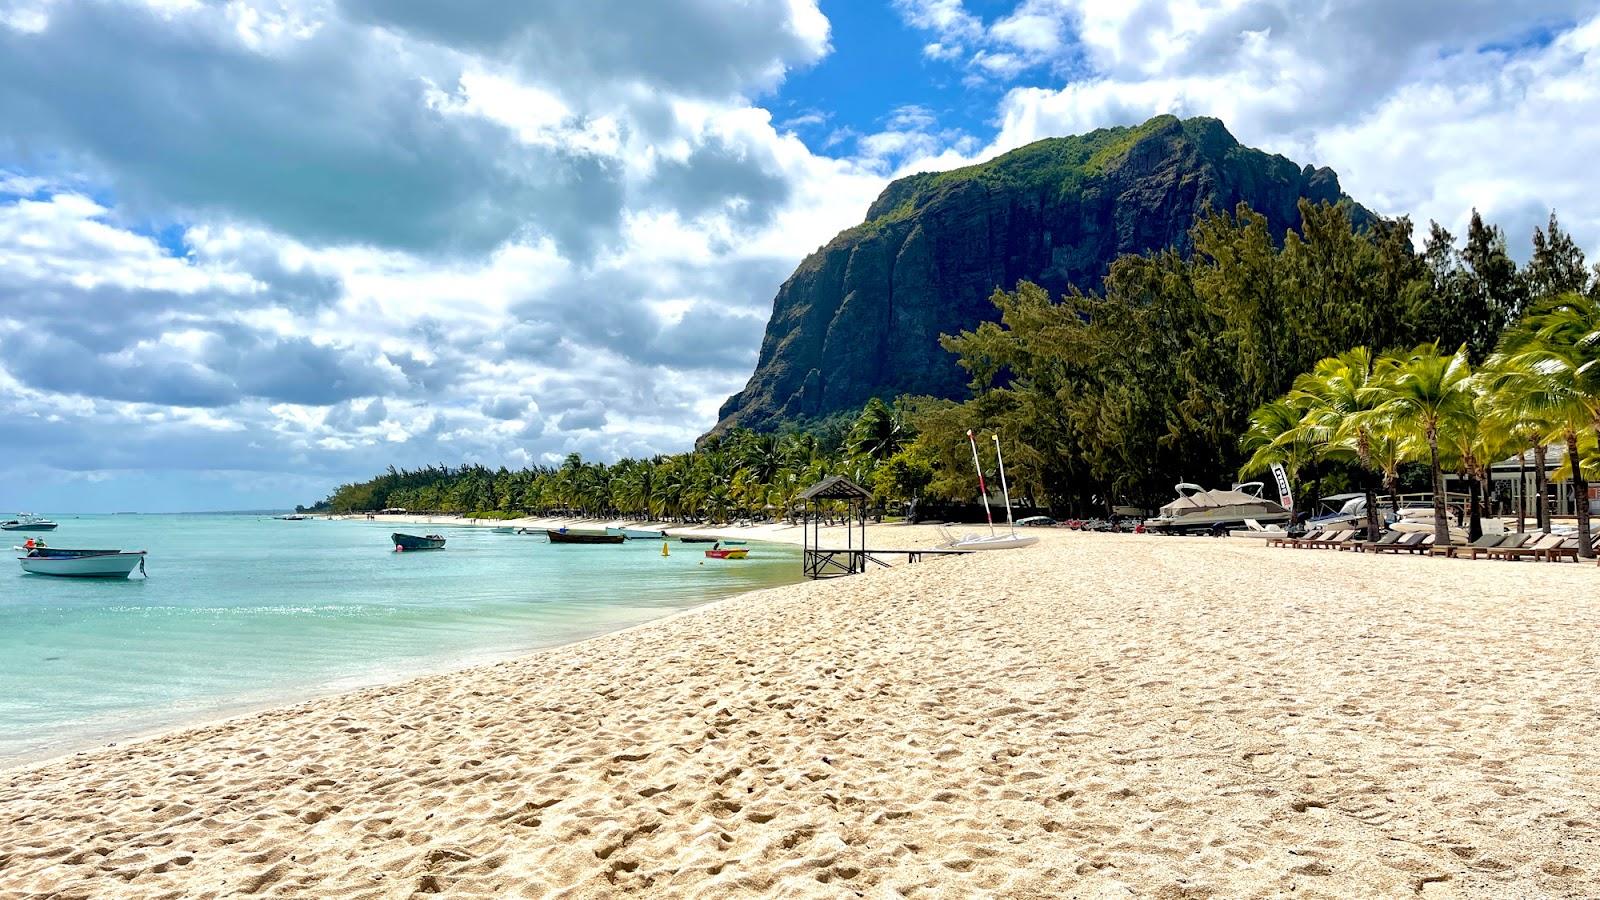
(862, 316)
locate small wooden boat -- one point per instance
(65, 563)
(413, 542)
(638, 534)
(503, 529)
(730, 553)
(562, 536)
(690, 539)
(734, 543)
(28, 522)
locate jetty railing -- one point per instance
(826, 563)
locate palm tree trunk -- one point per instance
(1580, 491)
(1371, 483)
(1441, 525)
(1541, 480)
(1522, 489)
(1475, 505)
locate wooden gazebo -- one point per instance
(822, 563)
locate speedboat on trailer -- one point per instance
(1216, 511)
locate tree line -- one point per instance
(1167, 373)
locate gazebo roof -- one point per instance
(836, 487)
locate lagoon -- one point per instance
(244, 611)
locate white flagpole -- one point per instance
(1003, 489)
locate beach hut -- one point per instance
(818, 561)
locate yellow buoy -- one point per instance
(664, 549)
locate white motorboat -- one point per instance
(82, 563)
(1216, 511)
(28, 522)
(638, 534)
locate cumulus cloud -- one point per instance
(1425, 108)
(328, 236)
(296, 241)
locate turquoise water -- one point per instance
(244, 611)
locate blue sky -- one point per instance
(249, 251)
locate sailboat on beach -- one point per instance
(994, 540)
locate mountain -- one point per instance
(861, 317)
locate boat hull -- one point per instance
(28, 526)
(697, 540)
(727, 554)
(415, 542)
(997, 542)
(102, 565)
(574, 537)
(638, 534)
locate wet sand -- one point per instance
(1098, 716)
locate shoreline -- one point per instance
(108, 738)
(232, 713)
(1096, 715)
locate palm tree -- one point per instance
(1427, 393)
(1276, 435)
(1337, 416)
(1551, 362)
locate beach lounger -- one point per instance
(1506, 551)
(1471, 551)
(1337, 541)
(1567, 546)
(1407, 542)
(1567, 550)
(1384, 540)
(1424, 545)
(1305, 540)
(1283, 540)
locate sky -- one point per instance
(252, 250)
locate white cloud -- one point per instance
(1425, 108)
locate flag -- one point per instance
(1284, 496)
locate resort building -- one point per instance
(1513, 485)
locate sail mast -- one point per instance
(983, 490)
(1003, 489)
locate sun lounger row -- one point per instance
(1543, 547)
(1346, 539)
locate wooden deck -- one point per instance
(822, 563)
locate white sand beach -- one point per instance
(1098, 716)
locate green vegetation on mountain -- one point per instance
(863, 315)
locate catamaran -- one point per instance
(993, 540)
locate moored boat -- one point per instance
(28, 522)
(563, 536)
(1011, 541)
(415, 542)
(638, 534)
(65, 563)
(692, 539)
(728, 553)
